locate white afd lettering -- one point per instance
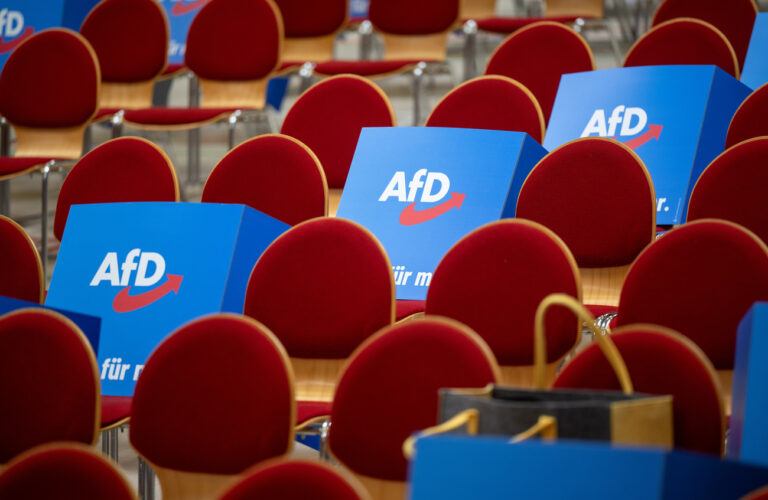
(109, 270)
(11, 23)
(422, 180)
(620, 115)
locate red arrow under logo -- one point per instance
(180, 8)
(126, 303)
(410, 216)
(653, 132)
(11, 44)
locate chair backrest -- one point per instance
(49, 382)
(296, 480)
(683, 41)
(391, 385)
(275, 174)
(732, 187)
(20, 264)
(311, 28)
(329, 116)
(493, 280)
(733, 18)
(595, 194)
(490, 102)
(66, 471)
(222, 382)
(120, 170)
(698, 279)
(50, 113)
(538, 55)
(749, 119)
(230, 74)
(660, 361)
(404, 17)
(130, 64)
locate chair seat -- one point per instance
(12, 165)
(307, 410)
(104, 112)
(290, 65)
(364, 68)
(175, 116)
(114, 409)
(506, 25)
(598, 310)
(404, 308)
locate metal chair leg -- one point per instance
(5, 150)
(470, 49)
(418, 76)
(324, 451)
(44, 219)
(232, 123)
(366, 39)
(193, 135)
(305, 76)
(117, 124)
(146, 481)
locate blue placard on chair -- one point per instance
(747, 438)
(420, 189)
(755, 73)
(674, 117)
(148, 268)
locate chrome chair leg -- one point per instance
(470, 49)
(418, 77)
(146, 481)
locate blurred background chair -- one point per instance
(20, 264)
(749, 119)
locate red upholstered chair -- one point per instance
(49, 114)
(660, 361)
(275, 174)
(597, 195)
(538, 55)
(130, 64)
(296, 480)
(493, 280)
(310, 30)
(490, 102)
(749, 119)
(20, 265)
(214, 398)
(732, 187)
(49, 382)
(699, 279)
(328, 118)
(733, 18)
(64, 471)
(120, 170)
(683, 41)
(323, 287)
(389, 390)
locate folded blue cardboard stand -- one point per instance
(755, 73)
(674, 117)
(421, 189)
(148, 268)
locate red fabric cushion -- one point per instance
(114, 409)
(274, 174)
(64, 473)
(404, 308)
(329, 116)
(20, 266)
(293, 480)
(734, 18)
(31, 97)
(308, 19)
(390, 390)
(494, 279)
(10, 165)
(174, 116)
(538, 55)
(223, 28)
(699, 279)
(111, 27)
(105, 112)
(363, 68)
(598, 310)
(124, 169)
(595, 194)
(405, 17)
(222, 383)
(733, 186)
(490, 102)
(506, 25)
(683, 41)
(323, 287)
(659, 363)
(306, 410)
(749, 120)
(48, 382)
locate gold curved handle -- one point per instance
(467, 417)
(546, 427)
(606, 344)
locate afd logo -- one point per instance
(109, 270)
(434, 187)
(183, 7)
(12, 30)
(632, 121)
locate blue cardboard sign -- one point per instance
(674, 117)
(755, 72)
(421, 189)
(90, 325)
(148, 268)
(453, 468)
(180, 14)
(747, 438)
